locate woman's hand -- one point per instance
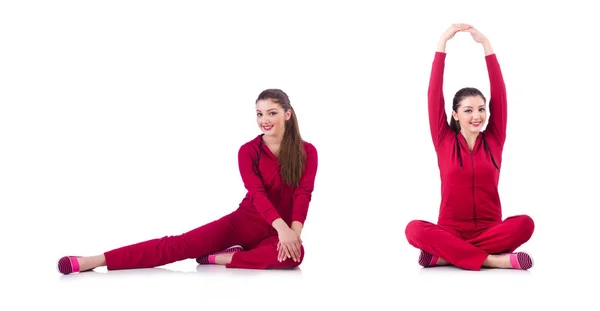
(481, 38)
(477, 36)
(289, 244)
(449, 34)
(453, 29)
(297, 227)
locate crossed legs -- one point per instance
(492, 247)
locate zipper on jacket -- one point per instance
(473, 188)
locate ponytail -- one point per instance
(291, 156)
(454, 125)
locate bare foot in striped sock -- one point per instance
(519, 260)
(221, 257)
(74, 264)
(429, 260)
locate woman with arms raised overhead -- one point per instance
(470, 232)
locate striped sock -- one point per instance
(427, 260)
(521, 260)
(68, 264)
(210, 258)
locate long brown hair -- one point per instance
(292, 156)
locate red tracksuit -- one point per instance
(267, 199)
(470, 225)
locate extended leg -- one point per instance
(445, 244)
(208, 238)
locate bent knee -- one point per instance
(527, 224)
(289, 263)
(414, 229)
(524, 225)
(297, 263)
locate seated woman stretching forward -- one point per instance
(278, 169)
(470, 232)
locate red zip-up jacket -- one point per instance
(469, 179)
(268, 197)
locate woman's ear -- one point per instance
(455, 115)
(288, 114)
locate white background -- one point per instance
(120, 121)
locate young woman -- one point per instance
(470, 232)
(278, 169)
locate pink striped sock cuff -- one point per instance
(514, 261)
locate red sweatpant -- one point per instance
(468, 249)
(257, 238)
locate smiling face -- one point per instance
(271, 117)
(471, 114)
